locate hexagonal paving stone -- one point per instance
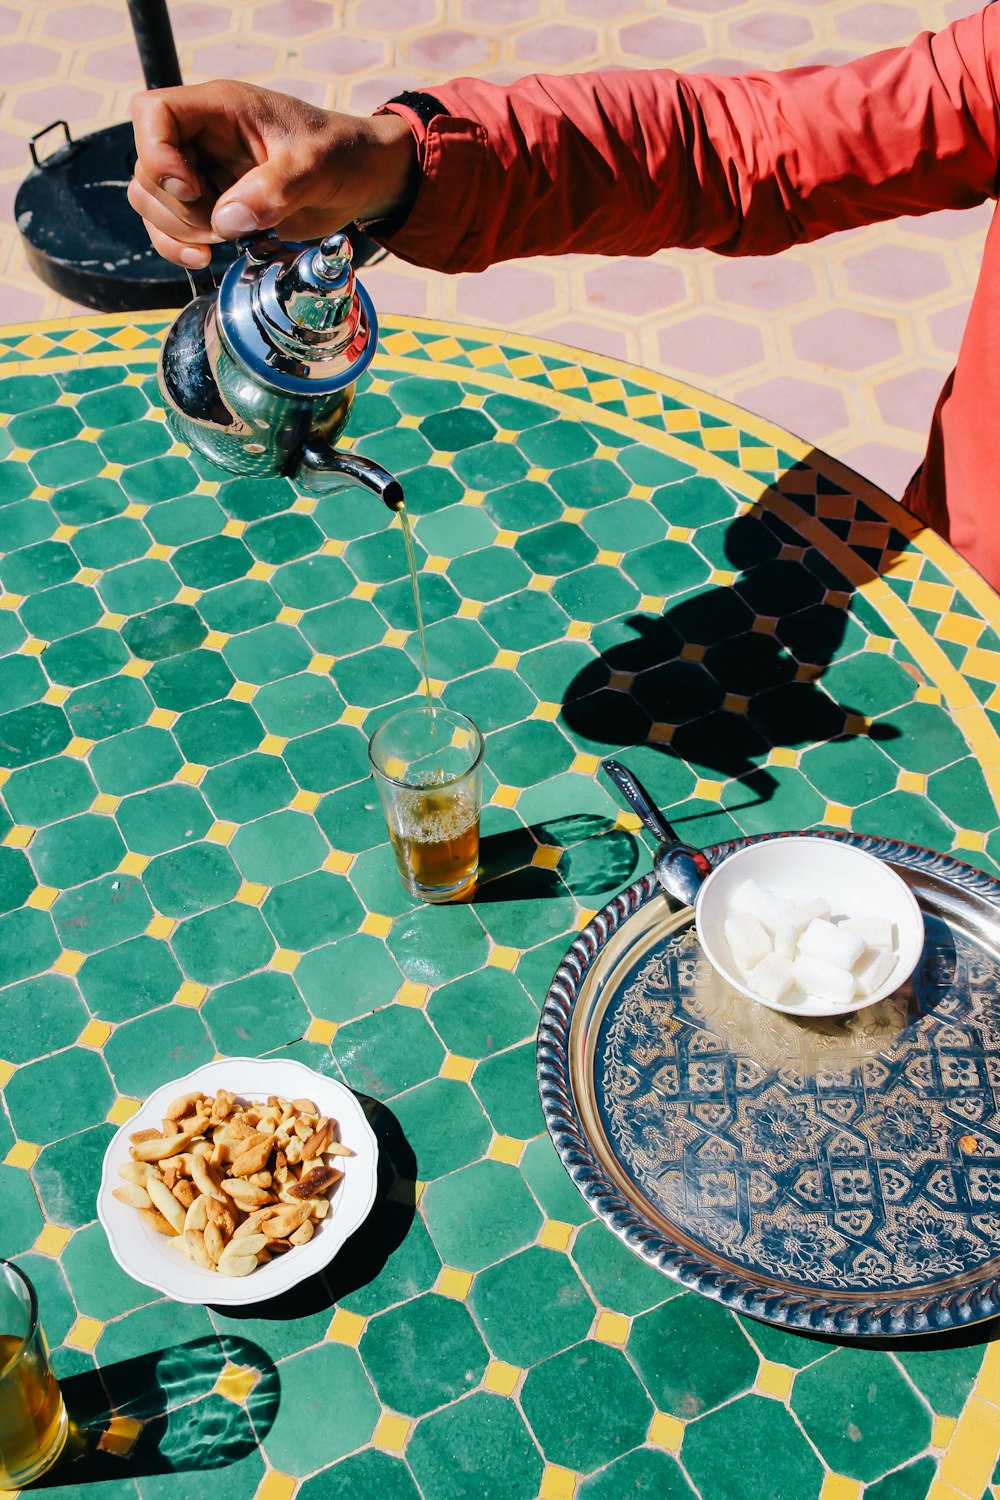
(849, 770)
(444, 1124)
(664, 1345)
(75, 1086)
(480, 1214)
(28, 943)
(776, 1462)
(65, 1173)
(346, 978)
(301, 1439)
(222, 944)
(129, 979)
(279, 847)
(255, 1015)
(39, 1016)
(371, 1474)
(315, 909)
(478, 1446)
(393, 1348)
(554, 1309)
(388, 1051)
(151, 1050)
(840, 1402)
(432, 945)
(191, 879)
(585, 1406)
(99, 914)
(163, 818)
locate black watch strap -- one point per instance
(424, 106)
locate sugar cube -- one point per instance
(772, 977)
(753, 900)
(875, 970)
(747, 940)
(786, 938)
(823, 939)
(805, 911)
(874, 932)
(826, 981)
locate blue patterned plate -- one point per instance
(837, 1175)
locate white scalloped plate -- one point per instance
(156, 1261)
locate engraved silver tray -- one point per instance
(840, 1176)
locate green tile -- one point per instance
(312, 581)
(17, 880)
(444, 1124)
(595, 593)
(28, 943)
(352, 818)
(645, 1471)
(557, 443)
(282, 539)
(44, 426)
(456, 530)
(491, 698)
(594, 482)
(151, 1050)
(163, 818)
(524, 504)
(92, 500)
(105, 708)
(779, 798)
(39, 1016)
(66, 1174)
(665, 1346)
(368, 1475)
(514, 917)
(461, 427)
(817, 634)
(586, 1406)
(159, 479)
(487, 574)
(556, 549)
(76, 1089)
(222, 944)
(239, 606)
(387, 1051)
(27, 392)
(248, 788)
(554, 1309)
(905, 816)
(267, 653)
(101, 1289)
(250, 499)
(394, 1349)
(278, 848)
(489, 465)
(405, 1265)
(302, 1437)
(869, 683)
(328, 758)
(550, 670)
(945, 1377)
(129, 979)
(849, 770)
(551, 1184)
(256, 1014)
(524, 620)
(962, 793)
(310, 911)
(380, 557)
(109, 543)
(528, 753)
(438, 601)
(455, 647)
(436, 943)
(192, 879)
(344, 626)
(665, 568)
(398, 450)
(478, 1446)
(507, 1087)
(776, 1462)
(101, 913)
(133, 761)
(37, 567)
(27, 522)
(189, 681)
(419, 395)
(22, 1220)
(480, 1214)
(428, 489)
(54, 1300)
(372, 412)
(110, 408)
(913, 1482)
(218, 732)
(784, 1346)
(348, 978)
(186, 519)
(921, 737)
(16, 482)
(381, 675)
(138, 586)
(621, 526)
(167, 631)
(130, 442)
(482, 1013)
(296, 705)
(841, 1403)
(77, 659)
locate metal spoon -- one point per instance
(679, 868)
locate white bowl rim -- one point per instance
(910, 945)
(142, 1253)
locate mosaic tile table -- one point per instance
(193, 862)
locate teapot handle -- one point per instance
(321, 469)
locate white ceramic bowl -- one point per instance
(798, 867)
(156, 1261)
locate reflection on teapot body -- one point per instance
(260, 377)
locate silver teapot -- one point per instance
(260, 377)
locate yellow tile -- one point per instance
(774, 1380)
(236, 1382)
(22, 1154)
(412, 994)
(965, 838)
(783, 755)
(354, 716)
(708, 791)
(286, 960)
(221, 833)
(377, 924)
(338, 860)
(473, 497)
(112, 621)
(943, 1430)
(982, 664)
(652, 604)
(276, 1486)
(133, 864)
(346, 1327)
(501, 1378)
(839, 1487)
(692, 651)
(470, 609)
(880, 643)
(322, 1032)
(56, 695)
(936, 597)
(19, 837)
(723, 578)
(538, 476)
(442, 460)
(251, 894)
(661, 734)
(160, 927)
(505, 538)
(11, 601)
(53, 1240)
(69, 962)
(332, 547)
(547, 711)
(541, 583)
(963, 630)
(502, 957)
(94, 1034)
(120, 1436)
(458, 1067)
(505, 1148)
(122, 1110)
(158, 552)
(188, 595)
(395, 638)
(289, 616)
(837, 814)
(612, 1328)
(84, 1334)
(585, 765)
(162, 718)
(307, 802)
(105, 803)
(911, 781)
(42, 897)
(735, 703)
(666, 1432)
(435, 564)
(547, 856)
(32, 647)
(453, 1283)
(321, 665)
(557, 1483)
(136, 667)
(234, 528)
(940, 1491)
(391, 1433)
(764, 625)
(7, 1071)
(583, 916)
(409, 419)
(555, 1235)
(216, 639)
(505, 796)
(507, 659)
(972, 1452)
(679, 533)
(927, 694)
(191, 773)
(243, 692)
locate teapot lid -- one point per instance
(295, 316)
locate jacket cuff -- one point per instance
(450, 149)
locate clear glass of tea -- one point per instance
(427, 763)
(33, 1421)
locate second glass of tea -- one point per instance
(427, 763)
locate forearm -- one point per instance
(627, 163)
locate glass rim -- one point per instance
(423, 708)
(8, 1365)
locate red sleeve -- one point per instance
(630, 162)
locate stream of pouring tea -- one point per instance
(411, 558)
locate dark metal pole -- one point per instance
(155, 40)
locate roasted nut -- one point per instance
(317, 1180)
(132, 1195)
(164, 1200)
(156, 1221)
(187, 1104)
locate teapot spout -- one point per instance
(321, 469)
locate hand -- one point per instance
(217, 161)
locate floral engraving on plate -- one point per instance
(860, 1153)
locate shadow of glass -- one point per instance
(161, 1413)
(596, 858)
(365, 1254)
